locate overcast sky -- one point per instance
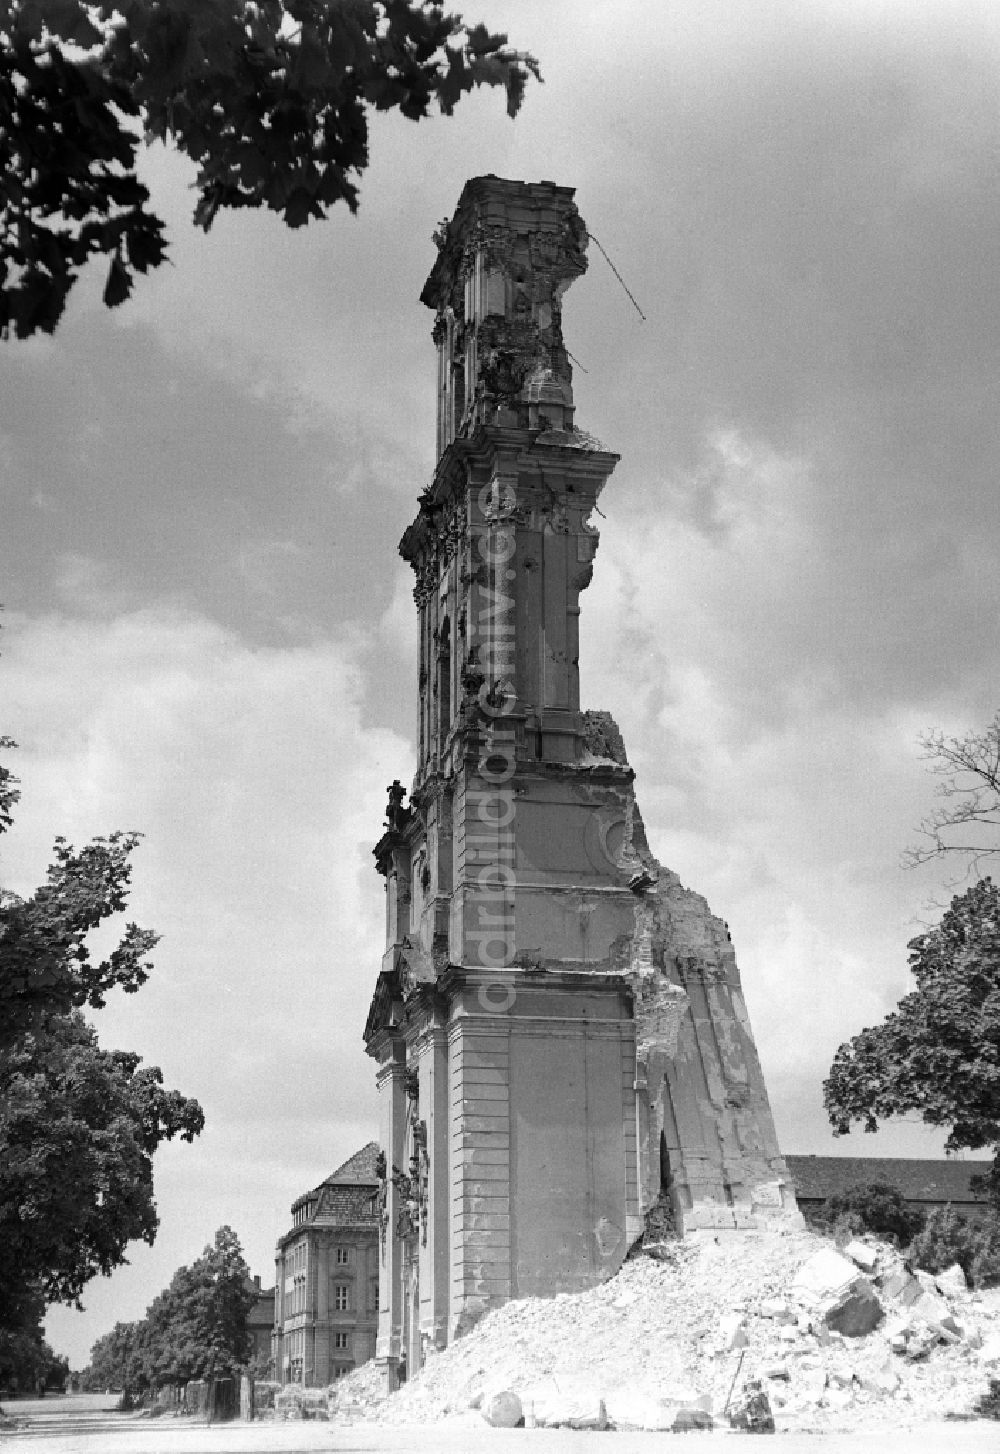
(209, 635)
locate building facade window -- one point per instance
(341, 1297)
(374, 1297)
(341, 1370)
(343, 1256)
(342, 1341)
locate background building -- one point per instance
(924, 1184)
(326, 1292)
(260, 1324)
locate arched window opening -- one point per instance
(444, 683)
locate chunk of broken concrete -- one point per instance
(751, 1410)
(900, 1285)
(777, 1308)
(952, 1281)
(884, 1380)
(838, 1294)
(931, 1307)
(989, 1349)
(860, 1253)
(503, 1410)
(568, 1401)
(690, 1420)
(631, 1406)
(823, 1276)
(732, 1332)
(856, 1314)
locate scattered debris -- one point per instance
(724, 1334)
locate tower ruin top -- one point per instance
(505, 259)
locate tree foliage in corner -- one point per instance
(78, 1124)
(269, 98)
(938, 1053)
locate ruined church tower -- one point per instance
(558, 1023)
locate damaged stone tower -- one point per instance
(558, 1024)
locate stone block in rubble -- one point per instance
(751, 1412)
(777, 1309)
(824, 1277)
(952, 1281)
(900, 1285)
(633, 1407)
(732, 1332)
(856, 1314)
(860, 1253)
(811, 1385)
(503, 1410)
(838, 1295)
(883, 1381)
(689, 1421)
(930, 1307)
(565, 1401)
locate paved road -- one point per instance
(66, 1427)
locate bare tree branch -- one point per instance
(966, 824)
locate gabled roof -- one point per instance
(818, 1177)
(359, 1168)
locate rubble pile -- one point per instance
(756, 1330)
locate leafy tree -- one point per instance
(45, 966)
(27, 1362)
(945, 1238)
(116, 1360)
(986, 1256)
(269, 98)
(195, 1328)
(9, 791)
(938, 1052)
(78, 1128)
(966, 824)
(875, 1206)
(78, 1124)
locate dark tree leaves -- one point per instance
(195, 1328)
(938, 1053)
(115, 1360)
(269, 98)
(9, 791)
(45, 965)
(78, 1124)
(78, 1129)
